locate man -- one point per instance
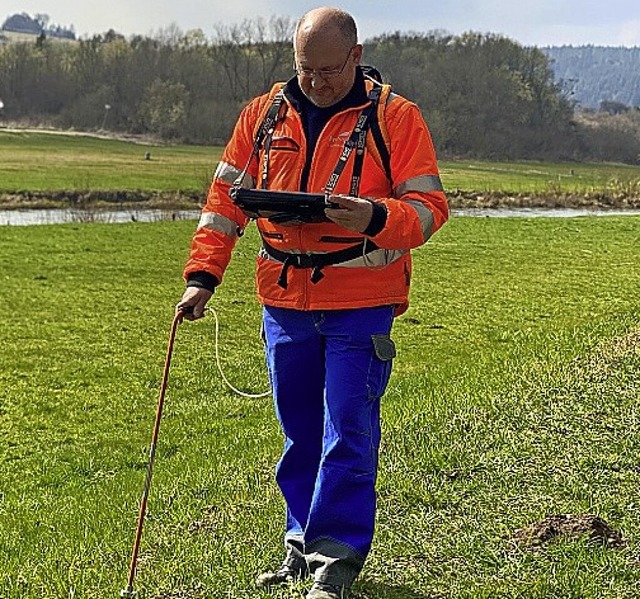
(330, 289)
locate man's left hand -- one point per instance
(353, 213)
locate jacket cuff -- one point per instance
(202, 279)
(378, 220)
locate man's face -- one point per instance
(326, 69)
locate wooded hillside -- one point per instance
(483, 95)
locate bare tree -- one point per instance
(42, 20)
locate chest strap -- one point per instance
(315, 261)
(264, 138)
(358, 142)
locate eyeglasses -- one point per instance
(323, 73)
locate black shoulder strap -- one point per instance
(361, 144)
(357, 141)
(381, 145)
(265, 131)
(374, 75)
(368, 120)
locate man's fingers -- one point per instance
(192, 312)
(198, 310)
(193, 303)
(354, 213)
(187, 311)
(343, 201)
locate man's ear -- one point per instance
(357, 53)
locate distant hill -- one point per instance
(26, 25)
(591, 75)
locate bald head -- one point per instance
(327, 54)
(324, 24)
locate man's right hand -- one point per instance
(194, 298)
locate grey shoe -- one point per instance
(282, 576)
(322, 590)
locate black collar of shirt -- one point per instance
(357, 96)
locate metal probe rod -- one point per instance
(128, 592)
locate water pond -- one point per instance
(57, 215)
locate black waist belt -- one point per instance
(316, 261)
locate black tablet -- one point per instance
(280, 206)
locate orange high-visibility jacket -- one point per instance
(414, 201)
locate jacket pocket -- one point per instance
(336, 239)
(270, 235)
(284, 144)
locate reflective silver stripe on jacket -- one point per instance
(217, 222)
(426, 217)
(229, 173)
(373, 259)
(424, 184)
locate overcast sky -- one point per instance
(532, 22)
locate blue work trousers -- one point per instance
(328, 370)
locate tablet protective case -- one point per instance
(280, 206)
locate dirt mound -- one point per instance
(100, 198)
(619, 199)
(189, 199)
(567, 527)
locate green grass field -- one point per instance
(63, 162)
(514, 397)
